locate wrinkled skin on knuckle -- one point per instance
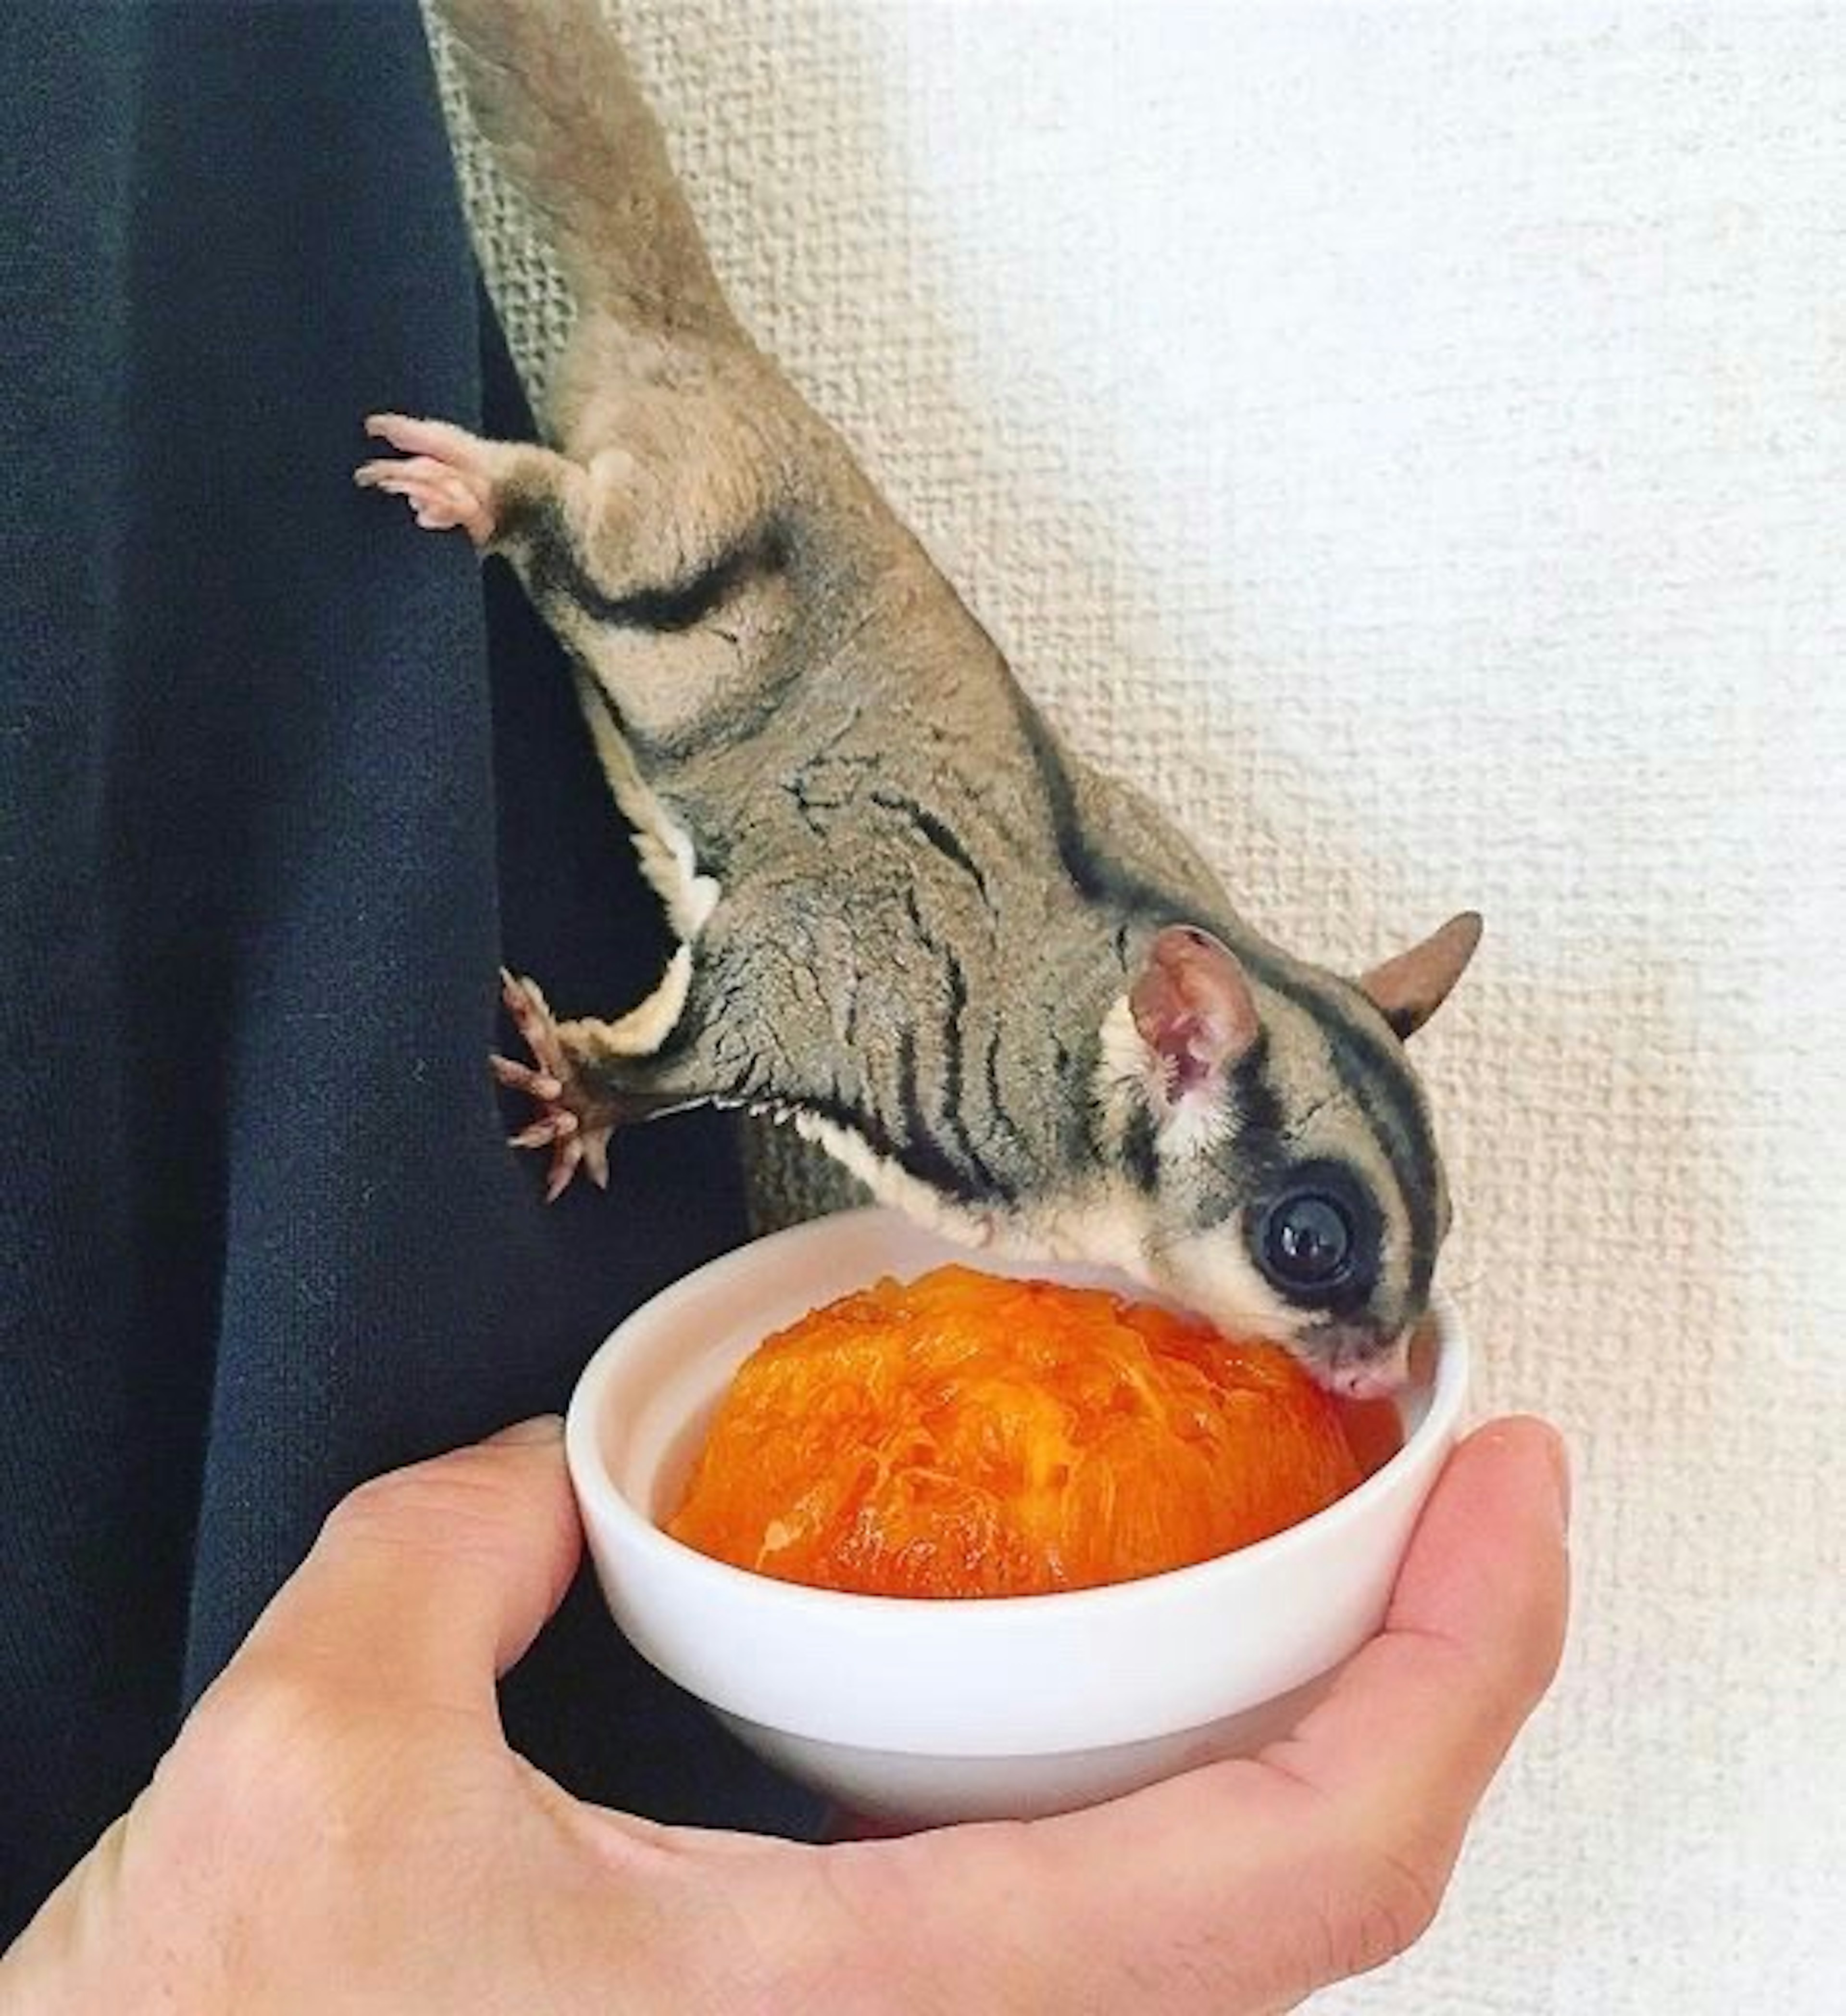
(448, 1507)
(1383, 1901)
(224, 1836)
(272, 1746)
(282, 1758)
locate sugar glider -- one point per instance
(999, 986)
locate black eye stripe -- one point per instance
(1380, 1085)
(1315, 1235)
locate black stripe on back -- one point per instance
(1093, 874)
(975, 1180)
(933, 829)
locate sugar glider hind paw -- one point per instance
(443, 475)
(571, 1121)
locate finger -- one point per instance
(1248, 1884)
(1373, 1791)
(429, 1582)
(1390, 1765)
(1428, 1708)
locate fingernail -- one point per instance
(541, 1428)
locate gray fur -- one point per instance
(913, 914)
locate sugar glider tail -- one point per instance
(554, 99)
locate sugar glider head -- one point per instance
(1269, 1114)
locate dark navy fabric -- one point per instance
(282, 781)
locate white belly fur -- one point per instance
(894, 1186)
(1100, 1231)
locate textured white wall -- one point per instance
(1412, 443)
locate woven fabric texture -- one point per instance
(1413, 446)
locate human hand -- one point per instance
(341, 1826)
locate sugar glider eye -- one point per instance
(1307, 1241)
(1310, 1238)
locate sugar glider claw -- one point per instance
(443, 475)
(570, 1121)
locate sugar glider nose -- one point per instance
(1358, 1366)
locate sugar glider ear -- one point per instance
(1407, 990)
(1192, 1006)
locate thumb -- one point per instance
(429, 1582)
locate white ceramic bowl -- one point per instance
(929, 1711)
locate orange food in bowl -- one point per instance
(967, 1435)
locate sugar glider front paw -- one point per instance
(446, 475)
(572, 1121)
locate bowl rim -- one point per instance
(638, 1532)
